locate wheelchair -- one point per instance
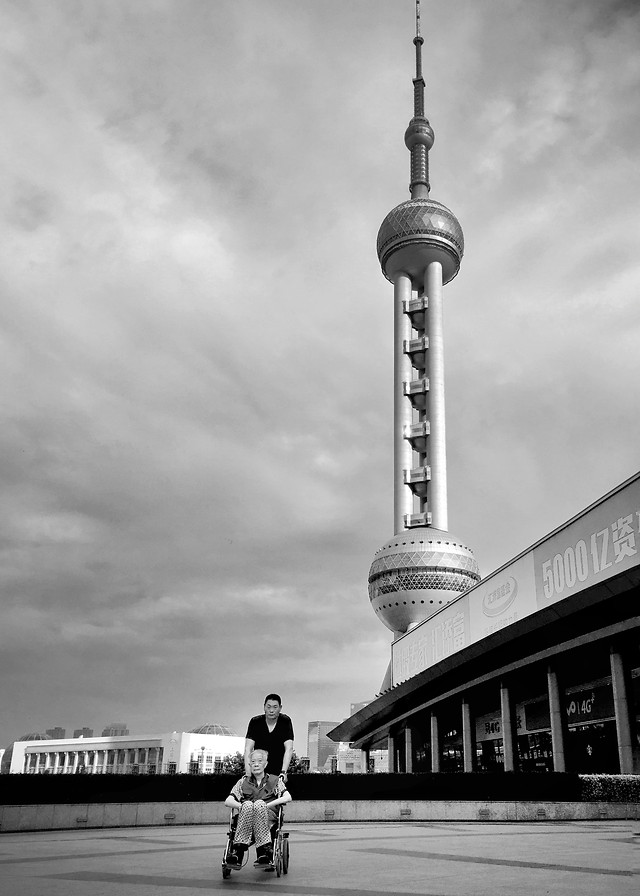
(279, 843)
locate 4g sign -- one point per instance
(598, 545)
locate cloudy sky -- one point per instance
(196, 388)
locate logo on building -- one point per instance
(500, 599)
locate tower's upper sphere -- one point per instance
(416, 572)
(414, 234)
(419, 132)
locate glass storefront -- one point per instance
(490, 756)
(593, 749)
(535, 753)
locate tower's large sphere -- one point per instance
(414, 234)
(416, 572)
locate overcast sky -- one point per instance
(196, 339)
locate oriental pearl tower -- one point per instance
(420, 246)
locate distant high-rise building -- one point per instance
(319, 746)
(83, 732)
(57, 733)
(116, 729)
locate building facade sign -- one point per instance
(590, 705)
(601, 543)
(503, 598)
(449, 633)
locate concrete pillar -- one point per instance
(558, 724)
(365, 759)
(391, 753)
(76, 760)
(508, 738)
(621, 708)
(402, 409)
(437, 445)
(435, 744)
(468, 739)
(408, 750)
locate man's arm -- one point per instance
(285, 797)
(248, 747)
(234, 800)
(286, 759)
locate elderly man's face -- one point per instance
(258, 763)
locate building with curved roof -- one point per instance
(200, 751)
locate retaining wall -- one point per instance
(113, 815)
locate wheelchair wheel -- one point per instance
(226, 872)
(277, 855)
(285, 855)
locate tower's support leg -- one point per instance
(437, 457)
(403, 415)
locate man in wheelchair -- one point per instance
(256, 797)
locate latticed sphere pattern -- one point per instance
(417, 232)
(417, 572)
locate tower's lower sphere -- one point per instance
(416, 572)
(416, 233)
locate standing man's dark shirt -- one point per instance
(271, 741)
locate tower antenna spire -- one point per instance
(419, 135)
(418, 41)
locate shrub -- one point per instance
(610, 788)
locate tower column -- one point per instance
(558, 724)
(402, 410)
(508, 728)
(437, 449)
(435, 743)
(391, 754)
(621, 706)
(408, 749)
(468, 740)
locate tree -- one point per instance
(233, 764)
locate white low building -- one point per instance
(200, 751)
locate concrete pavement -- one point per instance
(575, 858)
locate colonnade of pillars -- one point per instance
(557, 719)
(91, 761)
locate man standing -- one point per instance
(272, 732)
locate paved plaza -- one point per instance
(399, 859)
